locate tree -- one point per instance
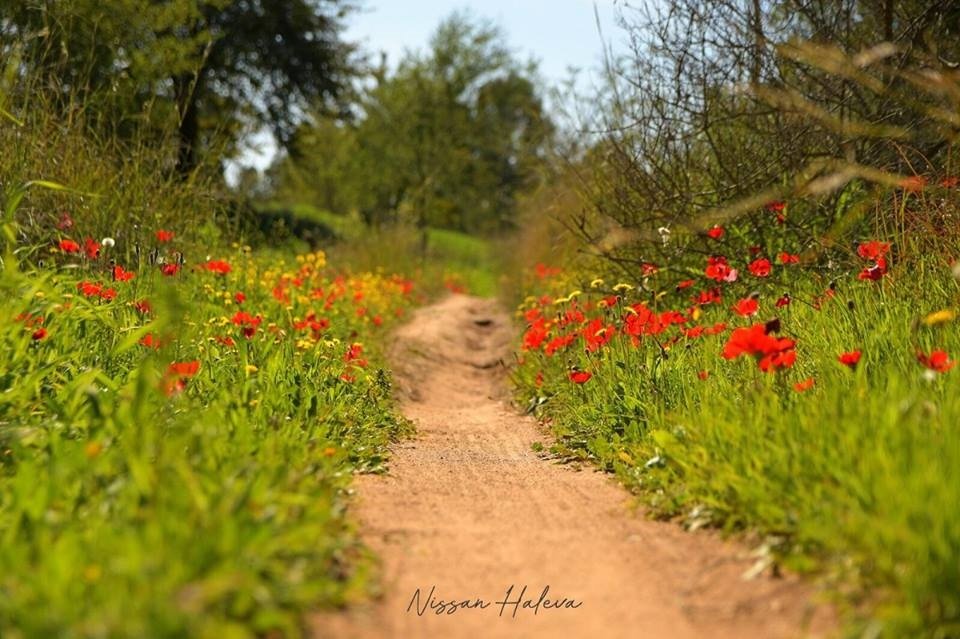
(209, 66)
(449, 139)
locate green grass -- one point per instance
(215, 511)
(856, 479)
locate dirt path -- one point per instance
(470, 509)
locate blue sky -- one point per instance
(557, 33)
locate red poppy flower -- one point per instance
(703, 374)
(120, 275)
(248, 322)
(648, 269)
(170, 269)
(784, 300)
(803, 386)
(937, 361)
(239, 298)
(719, 270)
(217, 266)
(538, 381)
(108, 294)
(150, 341)
(710, 296)
(950, 182)
(760, 267)
(850, 359)
(788, 258)
(89, 289)
(39, 334)
(580, 377)
(226, 341)
(184, 369)
(559, 343)
(69, 246)
(685, 284)
(596, 335)
(716, 329)
(535, 335)
(354, 356)
(777, 206)
(164, 236)
(92, 248)
(771, 353)
(873, 250)
(143, 307)
(693, 332)
(716, 232)
(746, 307)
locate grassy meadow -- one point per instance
(815, 412)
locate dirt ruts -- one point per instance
(469, 510)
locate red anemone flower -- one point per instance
(217, 266)
(937, 361)
(92, 248)
(850, 359)
(710, 296)
(354, 356)
(771, 352)
(184, 369)
(746, 307)
(120, 275)
(873, 250)
(150, 341)
(777, 206)
(760, 267)
(719, 270)
(89, 289)
(69, 246)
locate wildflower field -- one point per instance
(176, 438)
(250, 251)
(760, 390)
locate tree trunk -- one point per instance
(188, 129)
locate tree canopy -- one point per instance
(208, 70)
(450, 138)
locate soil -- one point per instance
(469, 509)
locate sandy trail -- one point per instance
(470, 509)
